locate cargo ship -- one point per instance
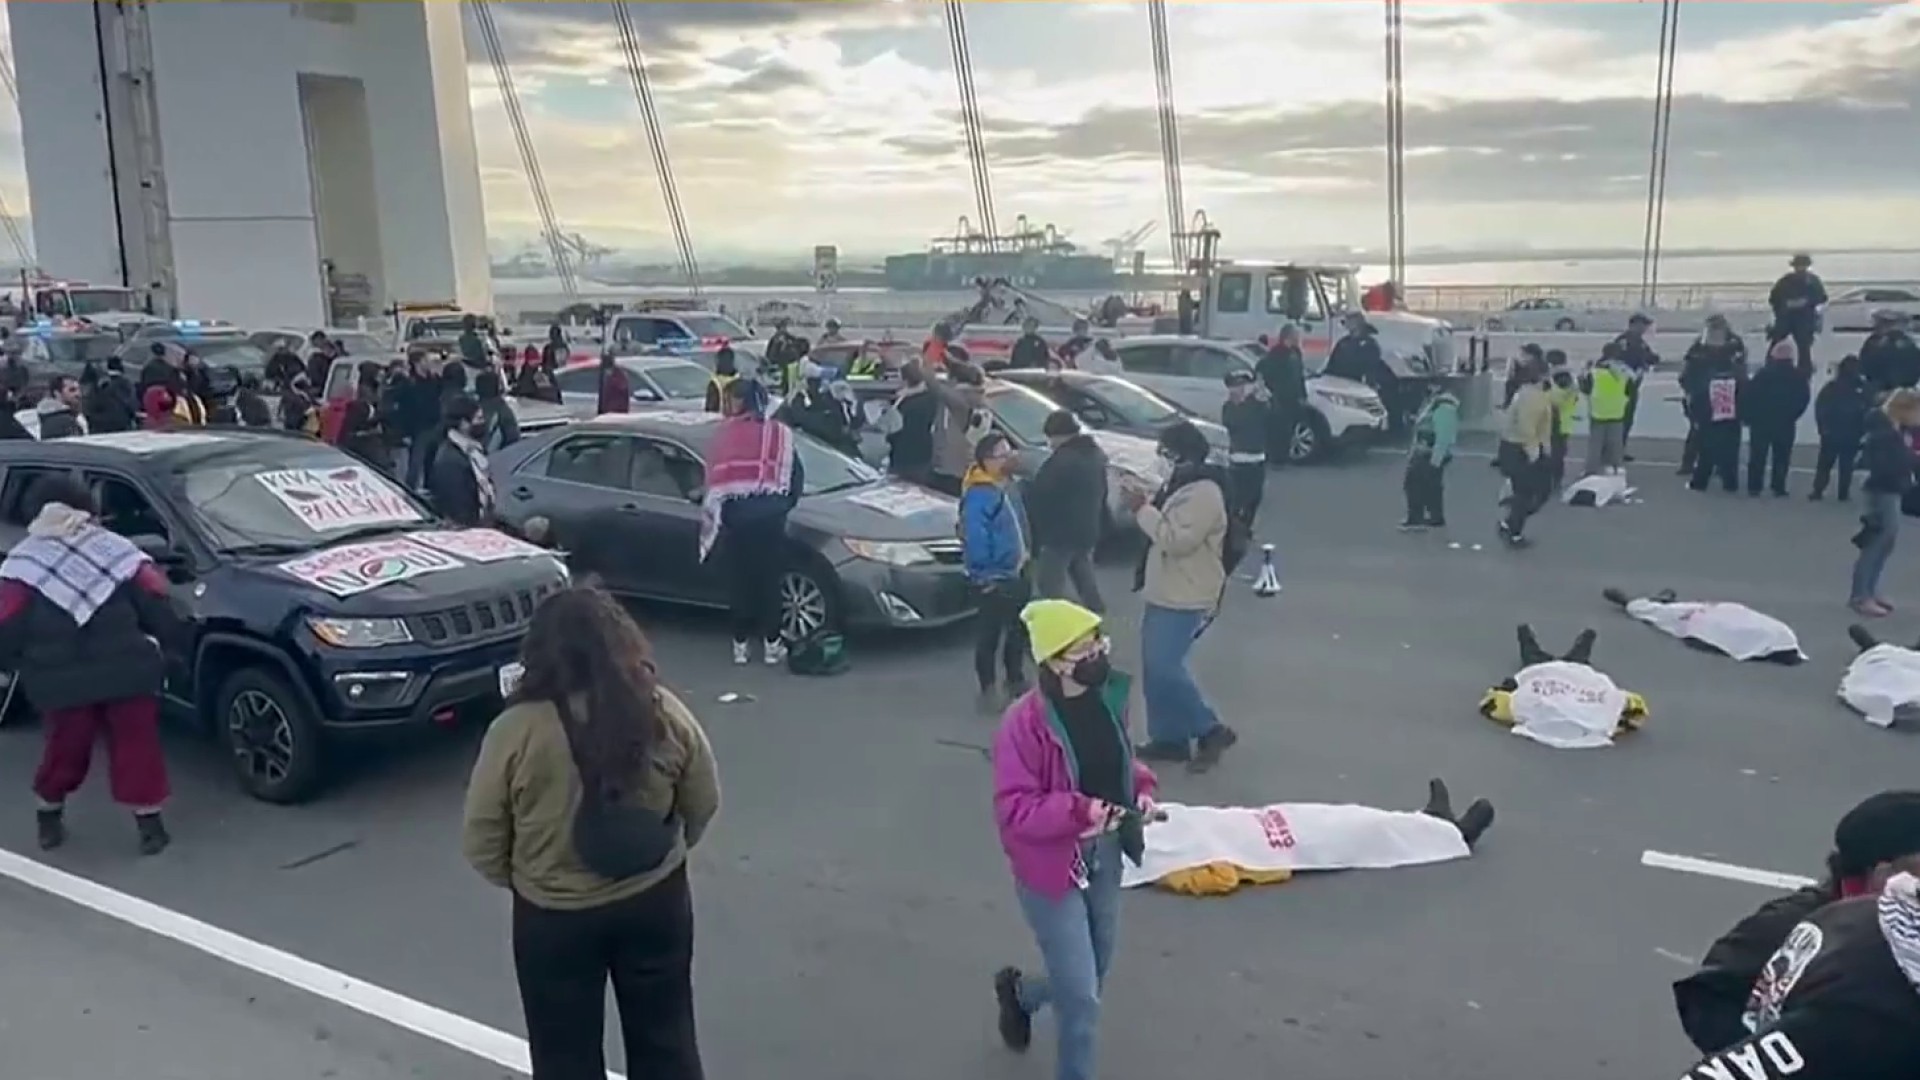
(1029, 257)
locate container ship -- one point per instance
(1030, 257)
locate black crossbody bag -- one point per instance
(614, 839)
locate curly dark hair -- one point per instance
(582, 643)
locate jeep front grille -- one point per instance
(498, 616)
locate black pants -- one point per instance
(1247, 485)
(998, 629)
(1426, 489)
(563, 960)
(1531, 483)
(1557, 455)
(1690, 452)
(1719, 452)
(755, 550)
(1769, 452)
(1840, 452)
(1281, 419)
(1633, 409)
(1802, 340)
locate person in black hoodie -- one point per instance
(249, 405)
(1030, 350)
(86, 621)
(1841, 414)
(1283, 375)
(1796, 300)
(815, 409)
(1066, 506)
(1717, 336)
(1711, 379)
(113, 406)
(1245, 417)
(909, 426)
(1637, 353)
(1889, 358)
(1771, 406)
(360, 432)
(282, 366)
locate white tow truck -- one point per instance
(113, 309)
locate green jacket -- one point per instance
(1437, 428)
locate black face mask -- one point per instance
(1092, 671)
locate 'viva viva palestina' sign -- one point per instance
(345, 498)
(356, 568)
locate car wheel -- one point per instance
(1309, 441)
(1565, 325)
(808, 604)
(273, 743)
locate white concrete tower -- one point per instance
(270, 163)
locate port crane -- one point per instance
(1127, 244)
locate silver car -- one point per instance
(657, 381)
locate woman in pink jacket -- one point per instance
(1070, 801)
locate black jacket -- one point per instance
(10, 427)
(818, 413)
(64, 665)
(1831, 1004)
(1066, 500)
(1357, 357)
(1029, 351)
(1887, 456)
(1637, 354)
(252, 408)
(1713, 999)
(1890, 359)
(911, 448)
(112, 406)
(1246, 424)
(1707, 365)
(1840, 410)
(57, 422)
(452, 487)
(1792, 286)
(283, 367)
(1284, 375)
(1775, 398)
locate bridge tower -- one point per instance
(271, 163)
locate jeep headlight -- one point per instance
(891, 552)
(360, 633)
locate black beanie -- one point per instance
(1881, 829)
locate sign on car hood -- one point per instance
(882, 511)
(351, 569)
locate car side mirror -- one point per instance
(646, 393)
(696, 495)
(159, 549)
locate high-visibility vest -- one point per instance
(1566, 404)
(720, 383)
(1608, 400)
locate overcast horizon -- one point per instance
(1527, 125)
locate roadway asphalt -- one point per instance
(853, 902)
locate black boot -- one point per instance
(52, 827)
(1439, 800)
(153, 833)
(1211, 746)
(1582, 651)
(1163, 752)
(1861, 637)
(1617, 597)
(1530, 651)
(1475, 821)
(1016, 1026)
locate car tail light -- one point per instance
(713, 342)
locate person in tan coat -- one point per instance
(1525, 437)
(1182, 578)
(589, 791)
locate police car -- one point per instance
(663, 327)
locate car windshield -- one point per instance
(828, 470)
(680, 382)
(100, 301)
(1022, 412)
(1136, 406)
(706, 326)
(74, 350)
(228, 352)
(292, 497)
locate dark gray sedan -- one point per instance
(622, 494)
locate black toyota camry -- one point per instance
(864, 551)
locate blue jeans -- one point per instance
(1176, 712)
(1076, 934)
(1883, 511)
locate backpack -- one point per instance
(612, 839)
(822, 654)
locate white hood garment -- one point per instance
(1291, 837)
(1603, 489)
(1734, 629)
(1565, 705)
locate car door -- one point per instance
(1152, 365)
(579, 484)
(664, 484)
(129, 509)
(1201, 387)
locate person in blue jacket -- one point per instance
(995, 546)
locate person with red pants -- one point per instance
(83, 612)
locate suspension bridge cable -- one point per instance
(1666, 141)
(529, 157)
(970, 119)
(1178, 238)
(1396, 146)
(656, 142)
(1656, 152)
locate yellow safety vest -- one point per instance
(1566, 404)
(720, 384)
(1608, 399)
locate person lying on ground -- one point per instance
(1882, 683)
(1563, 701)
(1213, 850)
(1732, 629)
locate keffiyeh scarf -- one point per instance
(72, 562)
(1900, 922)
(477, 461)
(751, 455)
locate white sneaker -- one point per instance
(776, 653)
(740, 653)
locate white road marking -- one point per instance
(1485, 455)
(468, 1036)
(1660, 860)
(1669, 954)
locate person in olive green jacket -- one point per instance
(1525, 436)
(574, 929)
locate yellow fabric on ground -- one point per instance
(1497, 706)
(1219, 879)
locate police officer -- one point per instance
(1889, 358)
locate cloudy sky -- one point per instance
(835, 121)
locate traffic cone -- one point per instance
(1268, 583)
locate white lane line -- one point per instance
(1484, 455)
(468, 1036)
(1686, 864)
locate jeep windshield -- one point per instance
(291, 498)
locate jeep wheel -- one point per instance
(274, 745)
(1309, 440)
(807, 605)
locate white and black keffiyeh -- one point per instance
(75, 564)
(1900, 922)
